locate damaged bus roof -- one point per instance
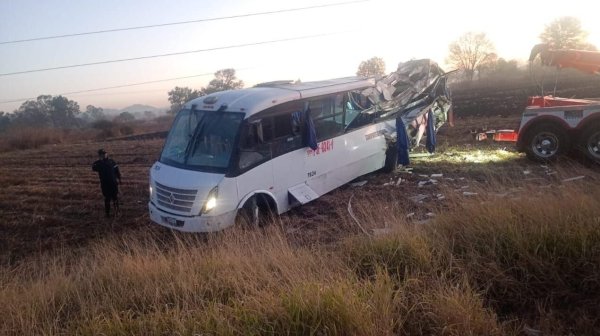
(265, 95)
(416, 87)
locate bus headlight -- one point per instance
(211, 200)
(150, 190)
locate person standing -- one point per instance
(110, 178)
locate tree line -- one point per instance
(472, 53)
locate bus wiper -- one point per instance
(191, 146)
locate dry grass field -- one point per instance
(475, 241)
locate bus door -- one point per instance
(365, 140)
(254, 164)
(323, 164)
(289, 158)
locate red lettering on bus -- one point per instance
(322, 147)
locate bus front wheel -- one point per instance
(256, 212)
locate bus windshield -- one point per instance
(202, 140)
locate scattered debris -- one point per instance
(574, 178)
(418, 198)
(399, 181)
(354, 217)
(526, 172)
(358, 184)
(436, 175)
(440, 197)
(423, 175)
(430, 214)
(428, 182)
(531, 332)
(403, 169)
(469, 193)
(410, 215)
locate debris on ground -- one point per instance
(574, 178)
(354, 216)
(428, 182)
(469, 193)
(418, 198)
(358, 184)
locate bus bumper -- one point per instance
(203, 223)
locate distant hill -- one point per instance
(142, 108)
(136, 109)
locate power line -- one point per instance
(183, 22)
(169, 54)
(116, 86)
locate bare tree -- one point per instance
(566, 33)
(372, 67)
(470, 51)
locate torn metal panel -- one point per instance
(410, 93)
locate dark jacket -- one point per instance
(108, 171)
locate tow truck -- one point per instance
(552, 126)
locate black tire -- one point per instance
(391, 158)
(255, 213)
(589, 142)
(546, 142)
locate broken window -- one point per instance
(356, 103)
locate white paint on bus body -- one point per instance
(299, 173)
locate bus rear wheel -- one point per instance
(590, 142)
(391, 158)
(546, 142)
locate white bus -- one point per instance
(248, 152)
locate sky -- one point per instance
(323, 43)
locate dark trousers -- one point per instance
(110, 193)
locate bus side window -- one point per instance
(297, 121)
(355, 104)
(288, 136)
(254, 144)
(327, 117)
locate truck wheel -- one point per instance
(391, 158)
(546, 142)
(590, 142)
(256, 212)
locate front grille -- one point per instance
(181, 200)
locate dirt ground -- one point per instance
(50, 199)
